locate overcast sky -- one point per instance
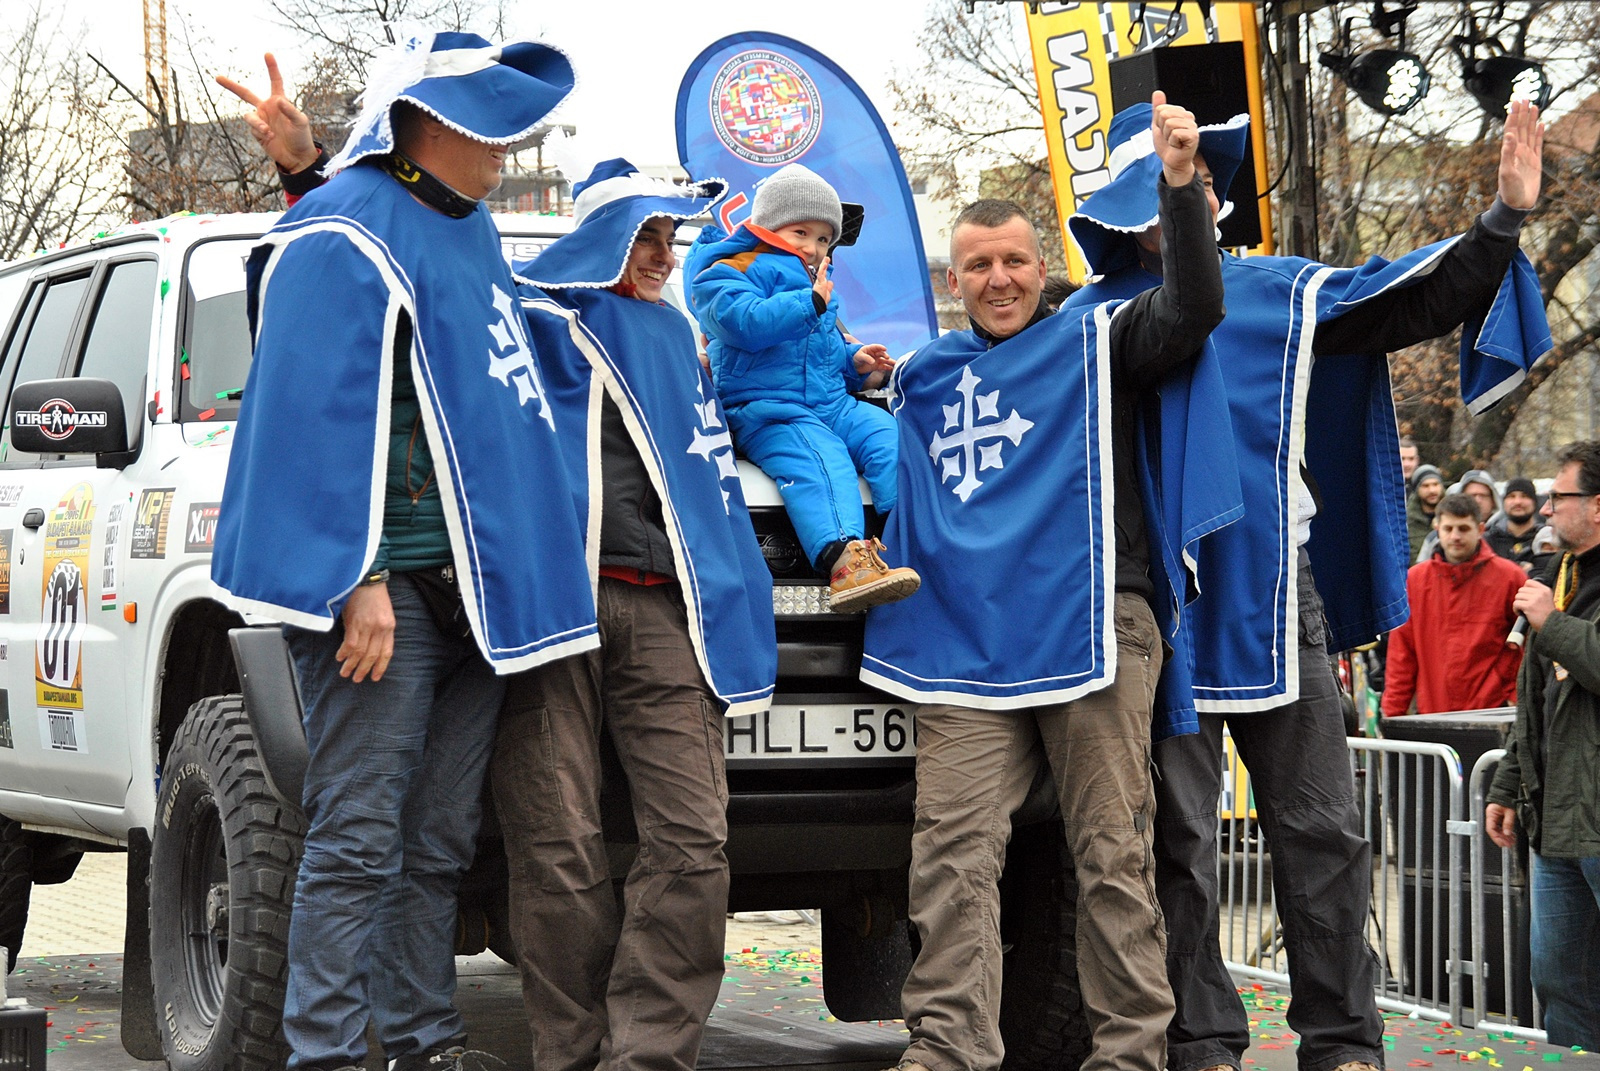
(629, 54)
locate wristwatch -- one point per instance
(379, 577)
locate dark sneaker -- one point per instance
(453, 1057)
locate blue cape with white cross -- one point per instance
(593, 343)
(1337, 416)
(302, 511)
(1006, 511)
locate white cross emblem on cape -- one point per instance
(974, 451)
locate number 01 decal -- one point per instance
(64, 600)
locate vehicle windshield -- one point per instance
(216, 334)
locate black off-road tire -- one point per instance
(16, 885)
(222, 874)
(862, 975)
(1041, 1008)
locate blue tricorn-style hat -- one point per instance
(609, 207)
(1104, 225)
(496, 94)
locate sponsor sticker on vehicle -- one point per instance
(108, 558)
(7, 740)
(62, 730)
(5, 571)
(64, 603)
(823, 732)
(57, 419)
(200, 530)
(150, 523)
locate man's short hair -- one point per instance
(1585, 453)
(1408, 441)
(992, 212)
(1459, 505)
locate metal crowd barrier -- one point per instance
(1417, 814)
(1534, 1030)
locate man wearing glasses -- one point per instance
(1550, 777)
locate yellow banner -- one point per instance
(1073, 44)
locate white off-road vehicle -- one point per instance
(139, 713)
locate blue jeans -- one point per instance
(393, 795)
(1321, 872)
(1565, 947)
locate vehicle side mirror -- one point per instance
(68, 416)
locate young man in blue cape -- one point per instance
(392, 393)
(1304, 361)
(1032, 640)
(687, 635)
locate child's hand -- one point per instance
(873, 358)
(824, 285)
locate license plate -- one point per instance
(823, 733)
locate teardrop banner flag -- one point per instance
(751, 103)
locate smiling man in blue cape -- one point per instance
(1304, 363)
(1032, 641)
(396, 495)
(687, 635)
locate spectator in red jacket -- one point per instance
(1452, 654)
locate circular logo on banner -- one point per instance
(765, 108)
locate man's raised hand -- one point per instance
(1177, 139)
(1521, 156)
(282, 129)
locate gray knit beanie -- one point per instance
(793, 194)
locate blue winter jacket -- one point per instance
(752, 295)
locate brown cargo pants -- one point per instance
(608, 987)
(974, 768)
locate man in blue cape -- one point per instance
(1032, 640)
(396, 495)
(686, 627)
(1309, 436)
(687, 635)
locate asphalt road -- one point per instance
(770, 1014)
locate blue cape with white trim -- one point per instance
(302, 511)
(1006, 511)
(1015, 608)
(1337, 415)
(643, 355)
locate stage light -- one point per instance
(1387, 80)
(1495, 81)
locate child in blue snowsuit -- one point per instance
(783, 369)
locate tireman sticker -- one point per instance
(200, 532)
(56, 419)
(765, 108)
(64, 604)
(150, 522)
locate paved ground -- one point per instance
(770, 1014)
